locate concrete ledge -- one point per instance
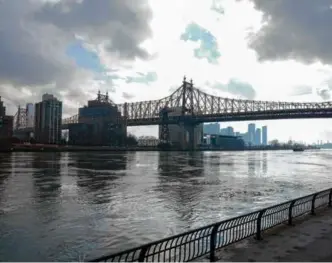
(310, 239)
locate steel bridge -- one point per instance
(199, 107)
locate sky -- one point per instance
(140, 50)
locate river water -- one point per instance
(77, 206)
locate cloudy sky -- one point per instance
(140, 50)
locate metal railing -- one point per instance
(206, 240)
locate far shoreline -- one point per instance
(58, 148)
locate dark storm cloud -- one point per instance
(30, 53)
(35, 34)
(122, 24)
(295, 29)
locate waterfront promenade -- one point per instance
(309, 240)
(277, 238)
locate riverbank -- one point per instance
(59, 148)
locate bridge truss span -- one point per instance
(206, 104)
(151, 109)
(70, 120)
(203, 107)
(195, 106)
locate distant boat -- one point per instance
(298, 149)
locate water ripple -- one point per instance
(75, 206)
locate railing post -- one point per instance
(213, 244)
(330, 198)
(313, 203)
(290, 214)
(259, 224)
(142, 253)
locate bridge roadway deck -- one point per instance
(309, 240)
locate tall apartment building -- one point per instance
(30, 115)
(229, 131)
(2, 109)
(264, 135)
(251, 133)
(258, 137)
(47, 121)
(211, 128)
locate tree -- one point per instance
(131, 140)
(274, 142)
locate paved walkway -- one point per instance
(309, 240)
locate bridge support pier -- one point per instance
(191, 136)
(191, 144)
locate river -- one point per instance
(77, 206)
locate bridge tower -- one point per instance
(164, 133)
(185, 114)
(188, 124)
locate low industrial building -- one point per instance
(99, 124)
(224, 142)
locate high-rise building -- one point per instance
(48, 115)
(6, 122)
(2, 109)
(47, 96)
(30, 115)
(251, 133)
(230, 131)
(223, 131)
(258, 137)
(211, 128)
(264, 135)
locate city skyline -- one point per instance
(73, 55)
(254, 135)
(30, 115)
